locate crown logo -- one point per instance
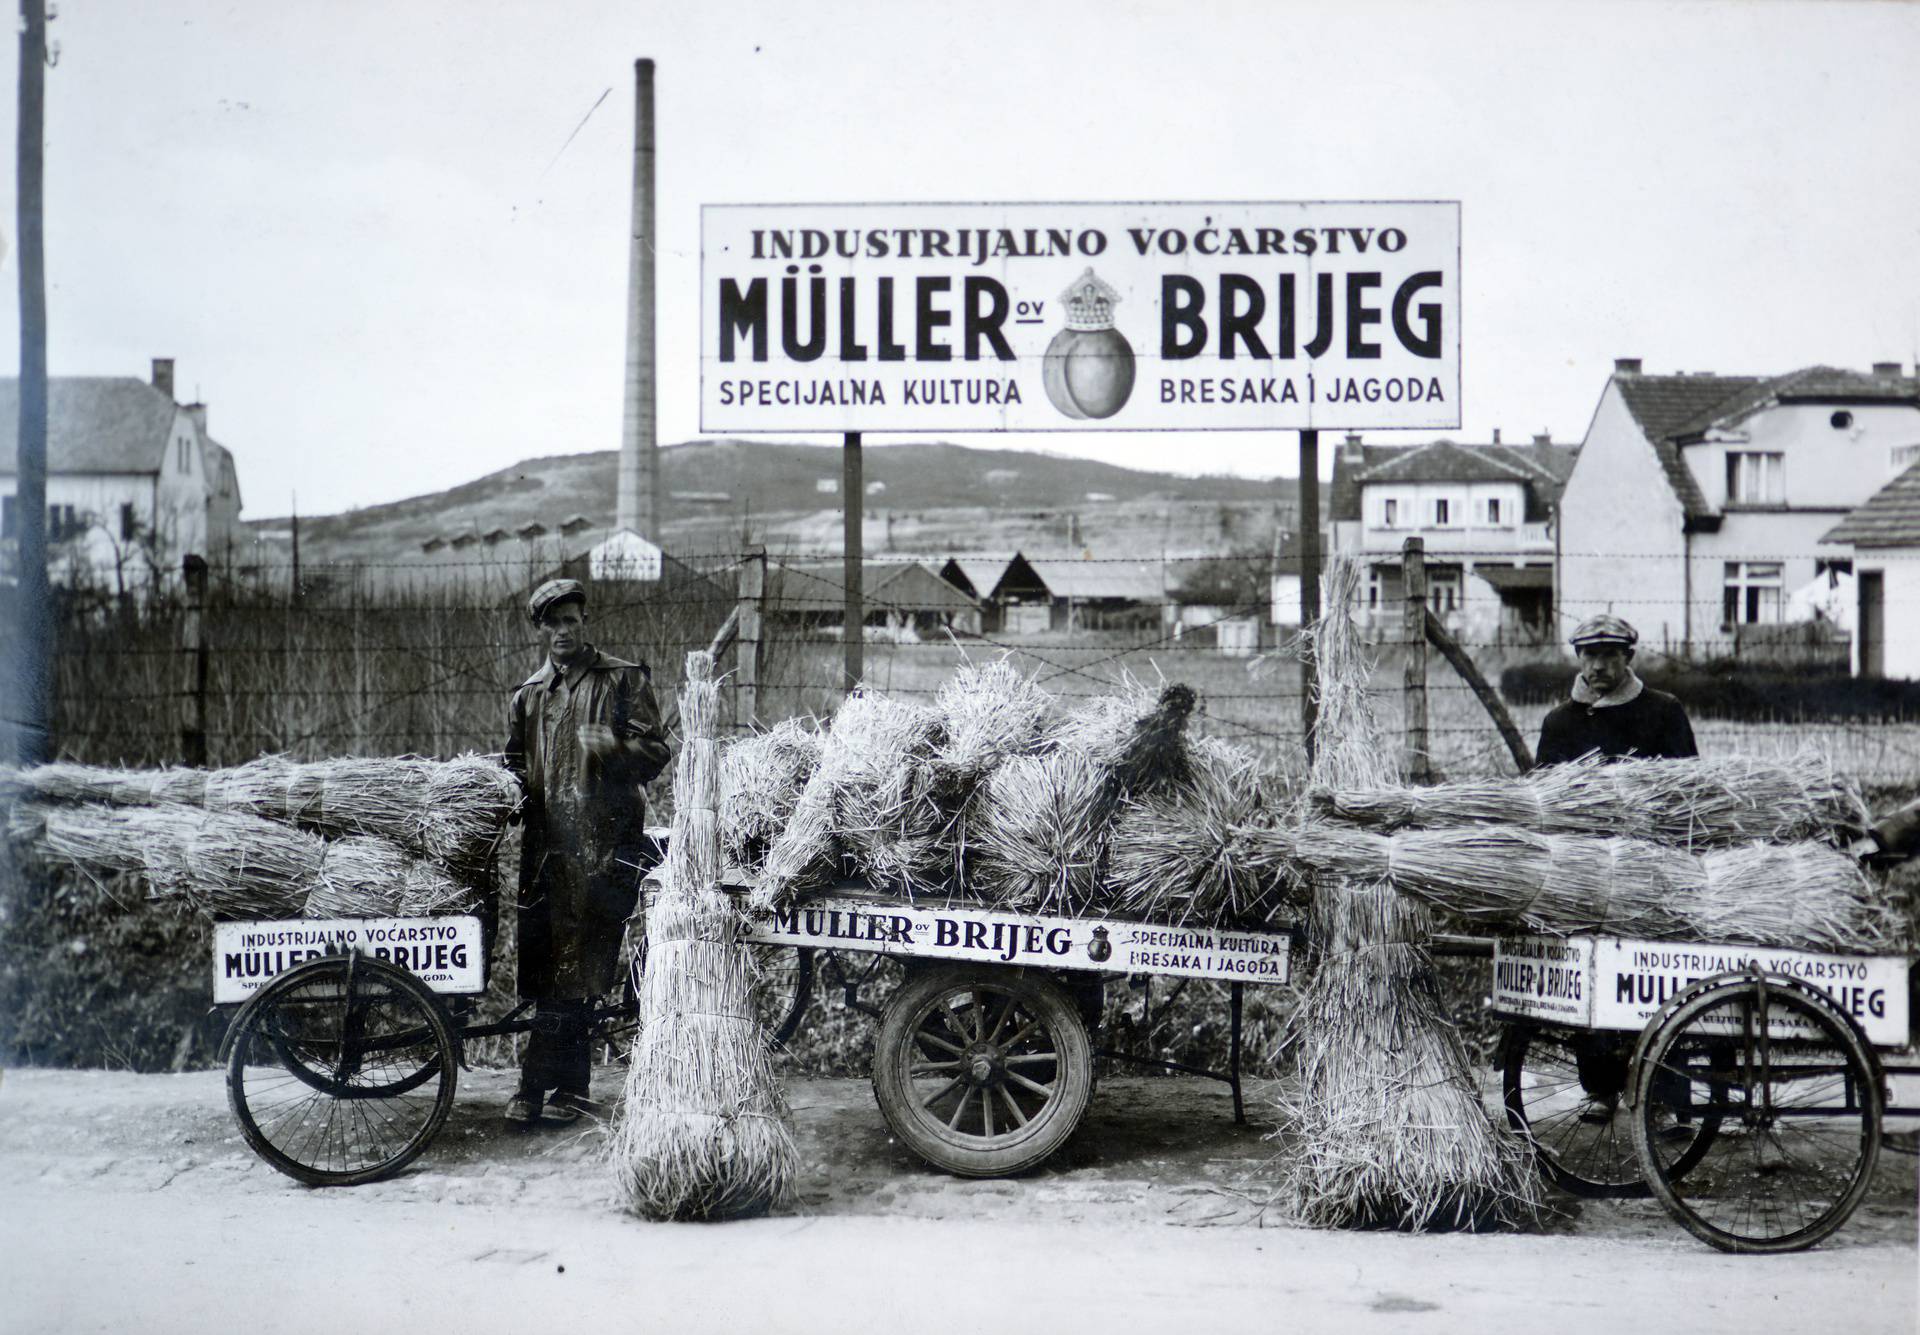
(1089, 302)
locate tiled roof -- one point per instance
(1541, 467)
(1667, 405)
(1676, 408)
(95, 424)
(1134, 581)
(1890, 518)
(1444, 461)
(977, 573)
(900, 586)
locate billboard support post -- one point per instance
(852, 508)
(1309, 585)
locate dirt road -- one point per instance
(132, 1204)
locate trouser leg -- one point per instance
(558, 1055)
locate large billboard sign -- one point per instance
(1075, 317)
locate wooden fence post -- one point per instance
(1309, 525)
(1413, 568)
(746, 674)
(193, 658)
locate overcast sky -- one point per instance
(365, 235)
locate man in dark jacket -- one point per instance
(1612, 711)
(583, 737)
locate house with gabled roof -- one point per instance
(134, 481)
(1882, 539)
(1701, 503)
(1484, 513)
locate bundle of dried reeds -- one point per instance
(231, 866)
(1176, 855)
(704, 1132)
(1386, 1122)
(453, 810)
(1694, 803)
(761, 779)
(365, 877)
(875, 791)
(1035, 840)
(1806, 896)
(986, 714)
(226, 865)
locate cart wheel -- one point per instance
(782, 985)
(983, 1073)
(341, 1070)
(1795, 1094)
(1564, 1091)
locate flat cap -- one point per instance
(553, 591)
(1604, 629)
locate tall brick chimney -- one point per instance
(163, 375)
(637, 499)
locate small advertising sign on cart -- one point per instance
(444, 952)
(1606, 982)
(962, 932)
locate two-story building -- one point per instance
(134, 481)
(1484, 514)
(1700, 504)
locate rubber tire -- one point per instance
(1862, 1065)
(253, 1023)
(1517, 1043)
(964, 1155)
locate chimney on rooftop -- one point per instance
(198, 412)
(1887, 370)
(1496, 435)
(1626, 366)
(163, 375)
(1543, 438)
(1350, 448)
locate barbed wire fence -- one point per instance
(420, 657)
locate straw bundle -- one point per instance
(1175, 856)
(704, 1132)
(1387, 1122)
(225, 865)
(1806, 896)
(453, 811)
(1688, 803)
(365, 877)
(875, 791)
(230, 866)
(1036, 839)
(987, 714)
(761, 779)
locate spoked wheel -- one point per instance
(982, 1072)
(1796, 1095)
(341, 1070)
(1564, 1090)
(782, 984)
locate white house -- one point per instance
(1483, 513)
(1883, 538)
(1700, 502)
(134, 481)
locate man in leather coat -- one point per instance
(583, 737)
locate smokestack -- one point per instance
(638, 501)
(163, 375)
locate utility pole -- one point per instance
(853, 519)
(31, 677)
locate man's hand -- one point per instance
(597, 740)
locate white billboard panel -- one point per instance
(1075, 317)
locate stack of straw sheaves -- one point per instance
(704, 1132)
(1736, 851)
(996, 794)
(359, 837)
